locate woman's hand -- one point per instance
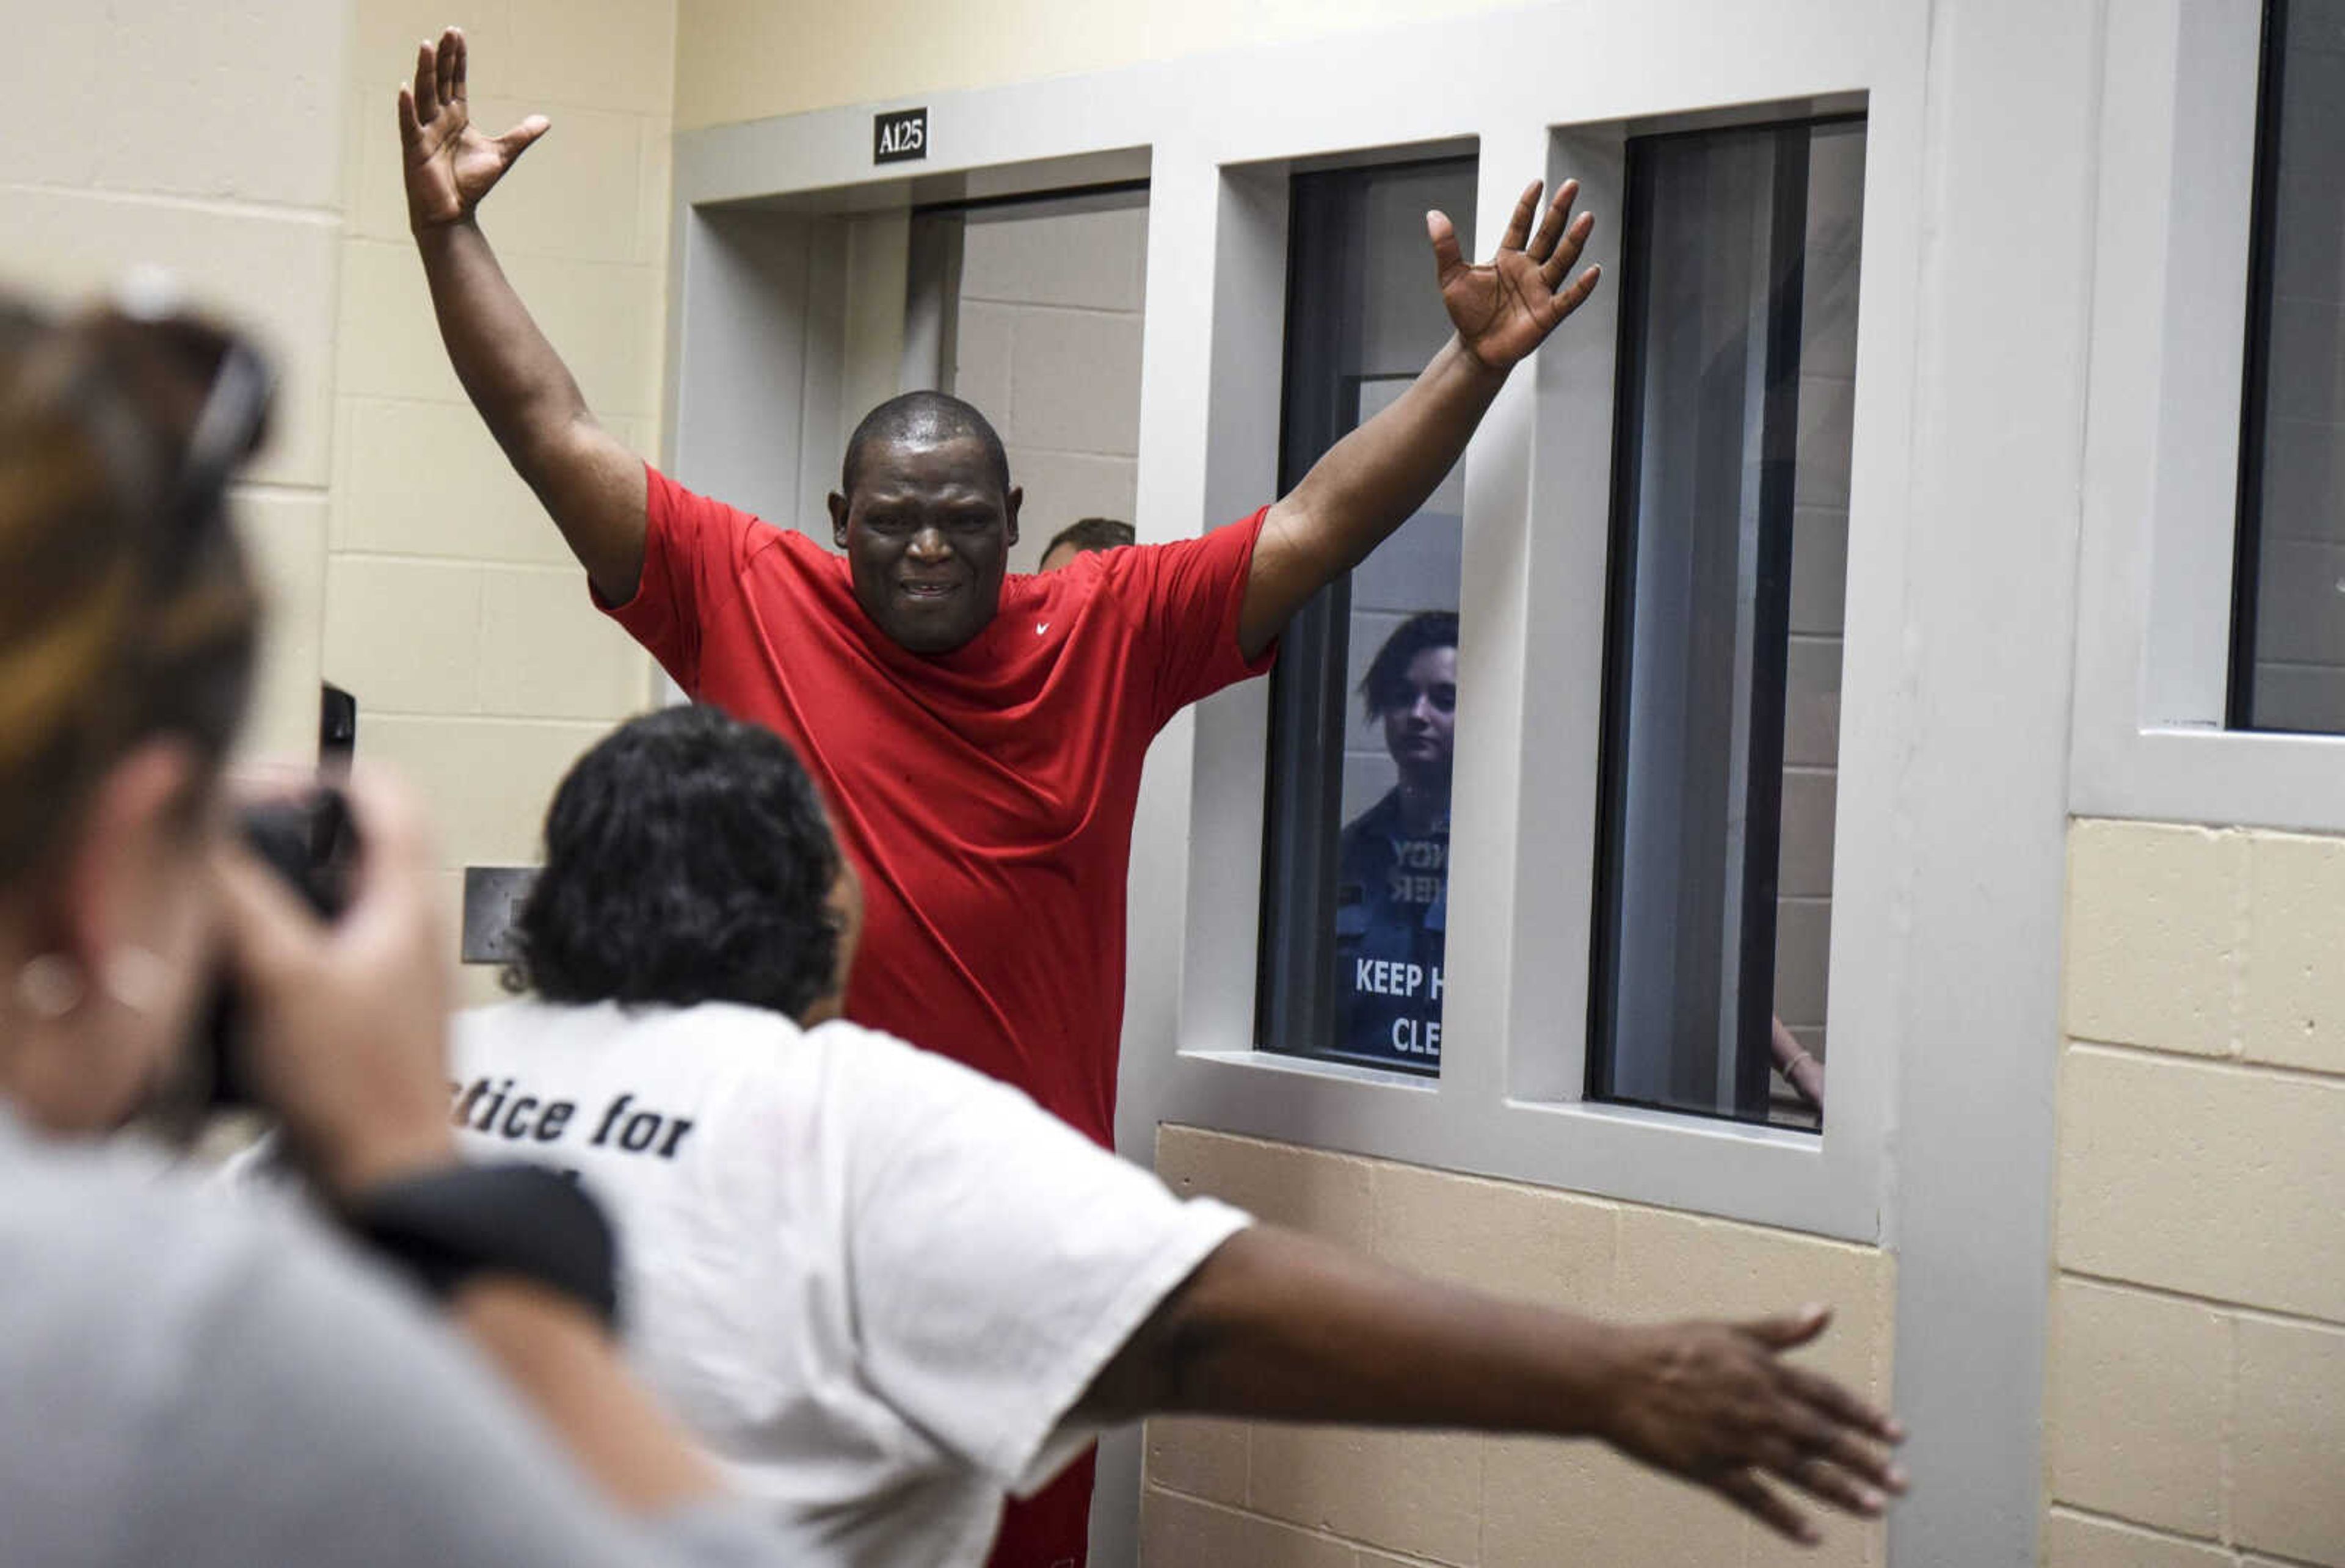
(347, 1023)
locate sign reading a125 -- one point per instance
(899, 136)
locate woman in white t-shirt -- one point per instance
(887, 1290)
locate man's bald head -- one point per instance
(925, 420)
(927, 520)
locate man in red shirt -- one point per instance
(978, 737)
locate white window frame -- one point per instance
(2177, 145)
(1508, 1101)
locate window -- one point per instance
(1357, 841)
(1730, 527)
(2288, 658)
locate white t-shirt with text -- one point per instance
(873, 1281)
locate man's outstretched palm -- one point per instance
(450, 166)
(1506, 307)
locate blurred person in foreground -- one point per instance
(181, 1381)
(832, 1237)
(1087, 536)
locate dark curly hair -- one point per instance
(1386, 685)
(688, 859)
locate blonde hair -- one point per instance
(124, 614)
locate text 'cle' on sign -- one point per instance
(899, 136)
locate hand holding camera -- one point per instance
(343, 1024)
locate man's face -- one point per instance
(1420, 729)
(927, 534)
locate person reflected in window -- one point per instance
(1392, 890)
(1088, 537)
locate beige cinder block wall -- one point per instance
(1049, 347)
(402, 559)
(2194, 1411)
(130, 144)
(452, 609)
(1229, 1492)
(747, 59)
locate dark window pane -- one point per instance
(1722, 667)
(1354, 896)
(2288, 648)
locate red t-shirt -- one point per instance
(986, 794)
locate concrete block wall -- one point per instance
(2194, 1409)
(131, 144)
(451, 608)
(747, 59)
(1288, 1497)
(401, 558)
(1049, 348)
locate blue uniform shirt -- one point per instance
(1392, 906)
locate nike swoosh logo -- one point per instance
(1040, 627)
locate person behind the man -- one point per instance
(831, 1238)
(980, 741)
(1392, 875)
(1087, 536)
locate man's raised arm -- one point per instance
(593, 486)
(1372, 481)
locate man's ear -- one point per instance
(1011, 504)
(837, 504)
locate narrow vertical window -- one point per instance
(2287, 654)
(1355, 885)
(1722, 657)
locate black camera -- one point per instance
(310, 842)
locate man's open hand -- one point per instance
(450, 166)
(1506, 307)
(1717, 1405)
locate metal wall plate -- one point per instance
(493, 899)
